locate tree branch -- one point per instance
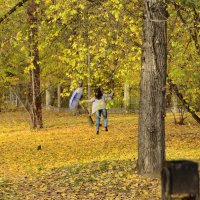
(193, 33)
(185, 104)
(13, 9)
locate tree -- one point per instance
(151, 134)
(184, 51)
(35, 102)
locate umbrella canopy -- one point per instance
(75, 98)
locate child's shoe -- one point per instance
(106, 128)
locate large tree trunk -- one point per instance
(35, 73)
(151, 135)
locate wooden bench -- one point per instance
(180, 177)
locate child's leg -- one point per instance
(105, 116)
(98, 117)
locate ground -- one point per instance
(75, 163)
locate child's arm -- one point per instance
(89, 100)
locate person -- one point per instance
(99, 107)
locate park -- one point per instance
(99, 99)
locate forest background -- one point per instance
(96, 42)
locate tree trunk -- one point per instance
(30, 104)
(48, 97)
(11, 97)
(17, 103)
(126, 97)
(59, 99)
(174, 103)
(151, 135)
(35, 73)
(89, 74)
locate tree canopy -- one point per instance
(104, 36)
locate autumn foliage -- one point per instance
(75, 163)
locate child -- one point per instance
(99, 106)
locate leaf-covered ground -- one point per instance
(75, 163)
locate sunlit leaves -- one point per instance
(74, 162)
(110, 31)
(68, 31)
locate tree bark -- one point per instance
(35, 72)
(151, 134)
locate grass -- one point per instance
(75, 163)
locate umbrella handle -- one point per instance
(90, 120)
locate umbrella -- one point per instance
(75, 98)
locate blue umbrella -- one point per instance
(75, 98)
